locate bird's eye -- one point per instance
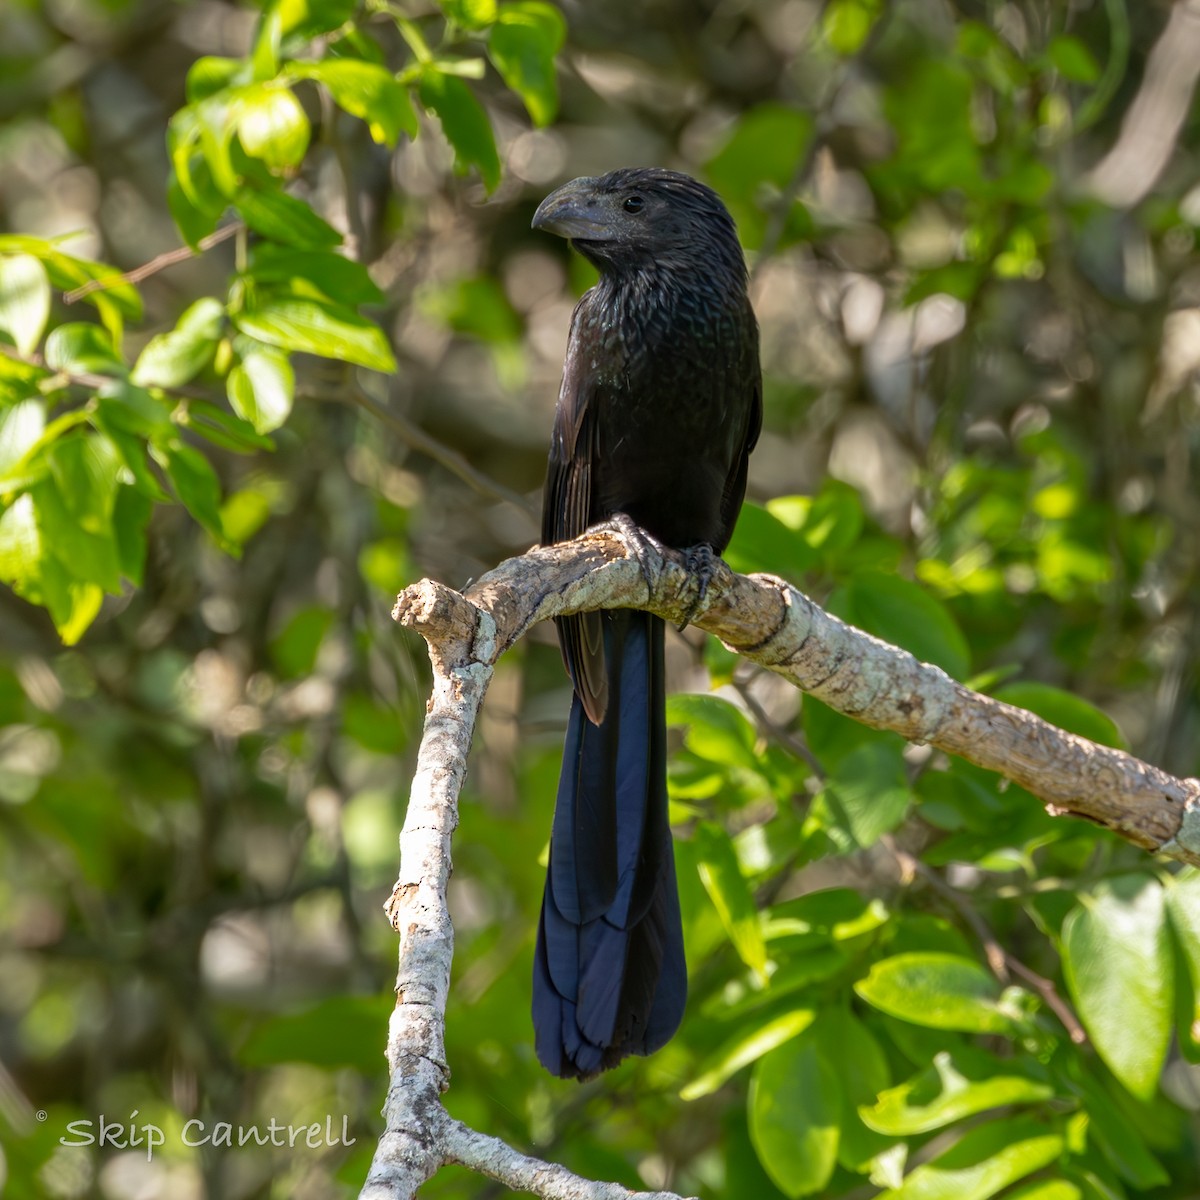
(634, 204)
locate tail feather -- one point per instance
(609, 974)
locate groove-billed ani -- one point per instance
(660, 405)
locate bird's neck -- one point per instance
(666, 288)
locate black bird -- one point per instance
(660, 406)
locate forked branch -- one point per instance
(765, 620)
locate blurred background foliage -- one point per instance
(972, 233)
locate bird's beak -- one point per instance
(573, 211)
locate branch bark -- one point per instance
(765, 620)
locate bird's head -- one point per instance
(639, 217)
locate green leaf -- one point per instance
(749, 1045)
(86, 467)
(1071, 58)
(131, 514)
(135, 410)
(1183, 910)
(21, 428)
(730, 894)
(522, 45)
(464, 122)
(867, 794)
(798, 971)
(295, 648)
(829, 522)
(847, 23)
(224, 429)
(762, 542)
(900, 612)
(939, 991)
(315, 327)
(20, 547)
(194, 482)
(1065, 710)
(261, 387)
(982, 1162)
(761, 154)
(115, 302)
(824, 916)
(367, 91)
(470, 14)
(795, 1105)
(80, 348)
(307, 19)
(283, 218)
(271, 125)
(861, 1066)
(478, 307)
(1120, 972)
(86, 556)
(209, 75)
(173, 359)
(24, 300)
(958, 1085)
(374, 726)
(245, 512)
(332, 275)
(342, 1031)
(1046, 1189)
(197, 210)
(1117, 1137)
(716, 730)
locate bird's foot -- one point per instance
(701, 562)
(640, 542)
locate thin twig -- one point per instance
(795, 746)
(167, 259)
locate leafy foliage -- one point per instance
(907, 980)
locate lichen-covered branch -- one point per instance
(767, 621)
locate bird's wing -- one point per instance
(735, 481)
(567, 511)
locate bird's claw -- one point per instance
(640, 542)
(701, 560)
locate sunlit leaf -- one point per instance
(322, 272)
(958, 1085)
(81, 348)
(1071, 58)
(261, 387)
(464, 122)
(939, 991)
(316, 327)
(24, 300)
(283, 218)
(747, 1046)
(174, 358)
(523, 44)
(867, 793)
(470, 14)
(983, 1162)
(730, 894)
(21, 428)
(194, 482)
(367, 91)
(795, 1106)
(1120, 969)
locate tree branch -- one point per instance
(768, 622)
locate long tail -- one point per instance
(609, 977)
